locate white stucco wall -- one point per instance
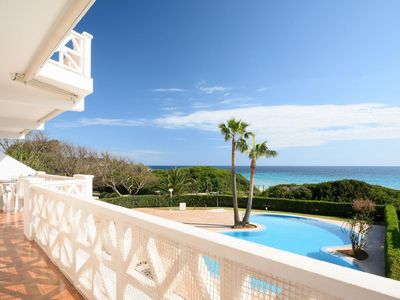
(12, 168)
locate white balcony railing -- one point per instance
(74, 53)
(109, 252)
(81, 185)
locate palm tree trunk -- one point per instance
(251, 190)
(236, 217)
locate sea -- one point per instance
(267, 176)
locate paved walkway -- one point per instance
(25, 271)
(212, 219)
(222, 220)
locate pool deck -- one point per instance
(221, 220)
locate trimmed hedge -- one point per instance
(138, 201)
(289, 205)
(392, 243)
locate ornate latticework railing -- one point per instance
(74, 53)
(77, 185)
(72, 187)
(110, 252)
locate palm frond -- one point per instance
(260, 150)
(225, 131)
(242, 127)
(234, 128)
(233, 124)
(248, 134)
(241, 145)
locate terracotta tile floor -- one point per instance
(25, 271)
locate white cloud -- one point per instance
(238, 101)
(283, 126)
(202, 105)
(224, 102)
(169, 108)
(211, 89)
(166, 90)
(296, 125)
(263, 89)
(101, 122)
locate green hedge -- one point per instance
(392, 243)
(289, 205)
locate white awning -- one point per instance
(11, 168)
(34, 89)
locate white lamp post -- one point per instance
(170, 197)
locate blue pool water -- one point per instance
(298, 235)
(213, 266)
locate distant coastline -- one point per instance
(272, 175)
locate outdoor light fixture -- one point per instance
(170, 197)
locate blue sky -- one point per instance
(320, 80)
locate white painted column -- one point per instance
(88, 187)
(87, 54)
(26, 193)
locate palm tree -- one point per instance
(177, 179)
(234, 130)
(255, 151)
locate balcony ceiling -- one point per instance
(29, 33)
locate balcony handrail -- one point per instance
(57, 183)
(50, 177)
(239, 262)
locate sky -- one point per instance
(319, 80)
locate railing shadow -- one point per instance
(25, 270)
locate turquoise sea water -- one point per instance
(268, 175)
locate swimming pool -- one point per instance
(304, 236)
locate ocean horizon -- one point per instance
(267, 176)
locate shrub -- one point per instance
(363, 207)
(108, 195)
(209, 179)
(289, 191)
(392, 243)
(346, 190)
(289, 205)
(359, 226)
(139, 201)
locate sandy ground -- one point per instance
(213, 219)
(219, 220)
